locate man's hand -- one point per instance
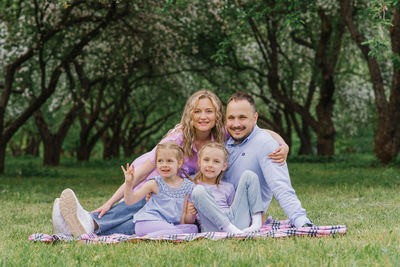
(129, 174)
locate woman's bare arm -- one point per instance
(140, 175)
(280, 154)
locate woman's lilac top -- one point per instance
(189, 164)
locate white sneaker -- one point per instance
(59, 224)
(78, 219)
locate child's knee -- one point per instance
(249, 175)
(198, 192)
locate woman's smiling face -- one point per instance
(203, 115)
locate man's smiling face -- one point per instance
(240, 119)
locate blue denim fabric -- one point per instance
(247, 202)
(118, 220)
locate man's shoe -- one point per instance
(77, 218)
(59, 224)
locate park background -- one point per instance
(86, 86)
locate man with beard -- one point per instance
(249, 147)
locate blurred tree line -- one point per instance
(77, 74)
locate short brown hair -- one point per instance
(243, 96)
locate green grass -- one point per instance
(353, 190)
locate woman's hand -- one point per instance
(129, 174)
(280, 154)
(103, 209)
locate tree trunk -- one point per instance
(115, 145)
(32, 145)
(8, 130)
(277, 124)
(84, 150)
(386, 145)
(89, 119)
(288, 133)
(15, 148)
(305, 138)
(137, 133)
(326, 129)
(326, 54)
(128, 151)
(2, 157)
(325, 144)
(83, 153)
(107, 146)
(305, 146)
(52, 150)
(53, 142)
(112, 143)
(387, 138)
(285, 132)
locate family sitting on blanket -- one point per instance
(250, 148)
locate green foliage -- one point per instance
(221, 55)
(293, 18)
(236, 17)
(171, 4)
(379, 12)
(171, 48)
(396, 61)
(378, 46)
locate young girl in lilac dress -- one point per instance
(162, 214)
(217, 205)
(202, 121)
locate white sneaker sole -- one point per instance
(59, 224)
(68, 207)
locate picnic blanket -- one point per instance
(271, 229)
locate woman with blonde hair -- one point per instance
(203, 120)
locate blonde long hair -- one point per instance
(186, 124)
(199, 176)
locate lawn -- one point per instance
(352, 190)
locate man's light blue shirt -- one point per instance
(252, 154)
